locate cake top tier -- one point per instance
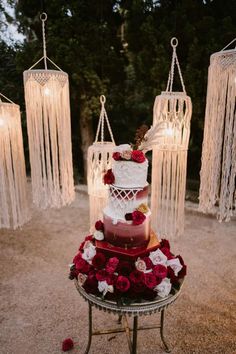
(129, 167)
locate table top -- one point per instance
(133, 309)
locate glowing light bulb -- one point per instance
(46, 91)
(1, 122)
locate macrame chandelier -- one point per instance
(49, 133)
(99, 160)
(218, 170)
(169, 159)
(14, 210)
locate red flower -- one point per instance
(167, 252)
(150, 280)
(99, 226)
(109, 178)
(165, 243)
(138, 156)
(160, 271)
(101, 275)
(149, 294)
(112, 265)
(122, 284)
(138, 217)
(136, 288)
(116, 156)
(171, 275)
(137, 277)
(148, 262)
(99, 260)
(125, 268)
(89, 238)
(82, 266)
(67, 344)
(91, 285)
(183, 271)
(77, 258)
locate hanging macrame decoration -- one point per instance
(218, 171)
(169, 159)
(49, 133)
(99, 160)
(14, 210)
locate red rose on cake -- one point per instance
(116, 156)
(122, 284)
(138, 156)
(138, 217)
(109, 177)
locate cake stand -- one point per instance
(122, 310)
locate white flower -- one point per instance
(98, 235)
(122, 147)
(89, 252)
(163, 289)
(82, 278)
(140, 265)
(103, 287)
(157, 257)
(175, 265)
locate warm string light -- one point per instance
(1, 122)
(46, 91)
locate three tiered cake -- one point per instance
(123, 257)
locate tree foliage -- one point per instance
(121, 49)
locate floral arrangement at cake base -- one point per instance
(156, 274)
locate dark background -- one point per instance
(120, 49)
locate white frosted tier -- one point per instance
(130, 174)
(122, 201)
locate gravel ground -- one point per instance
(40, 306)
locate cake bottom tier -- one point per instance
(125, 234)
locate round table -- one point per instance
(123, 310)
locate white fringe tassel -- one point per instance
(218, 171)
(169, 163)
(49, 134)
(14, 211)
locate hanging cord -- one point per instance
(6, 98)
(175, 61)
(43, 18)
(102, 118)
(229, 45)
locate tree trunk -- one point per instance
(86, 131)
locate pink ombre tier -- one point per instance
(125, 234)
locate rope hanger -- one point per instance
(103, 118)
(6, 98)
(43, 18)
(175, 61)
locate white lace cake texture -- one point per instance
(122, 201)
(130, 174)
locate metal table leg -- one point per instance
(166, 348)
(90, 329)
(135, 328)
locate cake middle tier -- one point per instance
(124, 200)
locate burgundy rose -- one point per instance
(122, 283)
(148, 262)
(112, 265)
(136, 288)
(67, 344)
(128, 216)
(91, 285)
(138, 156)
(73, 273)
(109, 178)
(77, 258)
(160, 271)
(167, 252)
(138, 217)
(82, 266)
(172, 276)
(89, 238)
(149, 294)
(183, 271)
(125, 268)
(116, 156)
(101, 275)
(99, 226)
(99, 260)
(165, 243)
(150, 280)
(137, 277)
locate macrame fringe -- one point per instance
(49, 134)
(14, 210)
(218, 171)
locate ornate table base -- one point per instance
(126, 328)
